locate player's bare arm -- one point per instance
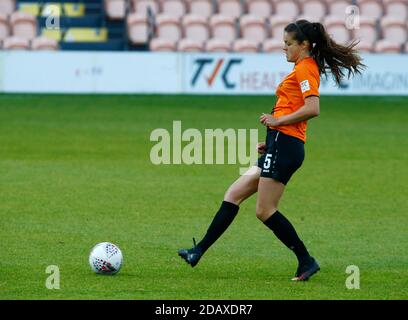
(310, 110)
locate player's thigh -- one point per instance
(270, 192)
(245, 186)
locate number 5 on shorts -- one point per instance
(267, 163)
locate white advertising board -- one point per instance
(178, 73)
(90, 72)
(261, 73)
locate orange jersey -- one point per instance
(291, 93)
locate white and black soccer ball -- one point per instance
(105, 258)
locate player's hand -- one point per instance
(268, 120)
(261, 147)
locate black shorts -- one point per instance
(283, 155)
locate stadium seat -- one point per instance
(175, 8)
(115, 9)
(367, 31)
(253, 28)
(4, 27)
(196, 27)
(71, 10)
(370, 8)
(338, 7)
(74, 10)
(394, 29)
(33, 8)
(86, 35)
(277, 25)
(308, 18)
(315, 10)
(137, 28)
(245, 45)
(145, 6)
(23, 25)
(260, 8)
(230, 8)
(396, 8)
(336, 28)
(168, 27)
(7, 7)
(16, 43)
(218, 45)
(272, 45)
(223, 27)
(200, 7)
(386, 46)
(55, 34)
(160, 44)
(190, 45)
(365, 46)
(287, 8)
(43, 43)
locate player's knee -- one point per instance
(232, 196)
(263, 213)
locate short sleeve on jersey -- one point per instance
(308, 78)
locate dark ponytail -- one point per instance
(328, 54)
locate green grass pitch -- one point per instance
(75, 171)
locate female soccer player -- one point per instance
(313, 52)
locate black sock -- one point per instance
(220, 223)
(286, 233)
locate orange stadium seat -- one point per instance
(394, 29)
(310, 18)
(23, 25)
(168, 27)
(7, 7)
(43, 43)
(175, 8)
(160, 44)
(370, 8)
(190, 45)
(4, 27)
(396, 8)
(144, 6)
(245, 45)
(336, 28)
(196, 27)
(272, 45)
(365, 46)
(338, 7)
(287, 8)
(137, 28)
(277, 25)
(200, 7)
(230, 8)
(115, 9)
(367, 30)
(315, 10)
(386, 46)
(218, 45)
(223, 27)
(16, 43)
(253, 28)
(260, 8)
